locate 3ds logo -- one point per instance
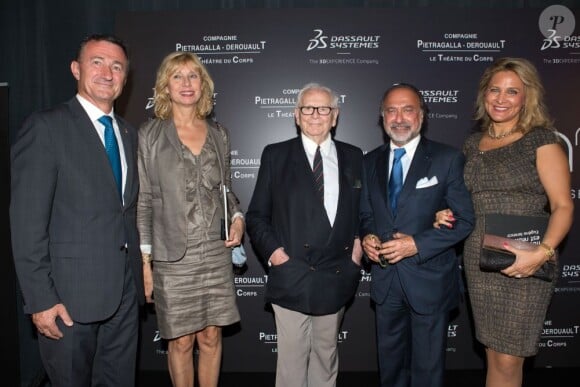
(319, 41)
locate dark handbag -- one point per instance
(495, 258)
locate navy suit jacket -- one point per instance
(285, 211)
(430, 279)
(68, 224)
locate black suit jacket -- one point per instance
(285, 211)
(68, 224)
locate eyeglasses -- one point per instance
(309, 110)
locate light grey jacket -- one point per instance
(162, 207)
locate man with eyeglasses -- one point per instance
(303, 222)
(416, 276)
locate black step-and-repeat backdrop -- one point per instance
(259, 60)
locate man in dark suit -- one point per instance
(306, 229)
(73, 224)
(415, 283)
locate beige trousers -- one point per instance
(307, 348)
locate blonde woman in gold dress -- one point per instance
(187, 266)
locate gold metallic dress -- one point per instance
(198, 290)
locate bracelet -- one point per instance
(146, 258)
(548, 250)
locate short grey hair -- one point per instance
(317, 86)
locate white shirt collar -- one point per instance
(94, 112)
(310, 146)
(410, 147)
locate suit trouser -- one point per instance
(102, 353)
(411, 346)
(307, 348)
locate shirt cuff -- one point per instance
(145, 249)
(237, 215)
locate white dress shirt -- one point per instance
(96, 113)
(330, 170)
(410, 149)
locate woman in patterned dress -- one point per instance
(187, 266)
(515, 165)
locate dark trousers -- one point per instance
(102, 353)
(411, 346)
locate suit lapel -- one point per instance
(419, 168)
(303, 172)
(129, 149)
(95, 145)
(83, 123)
(170, 132)
(344, 206)
(382, 171)
(342, 183)
(305, 180)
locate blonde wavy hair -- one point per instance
(534, 112)
(167, 68)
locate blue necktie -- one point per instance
(112, 149)
(396, 179)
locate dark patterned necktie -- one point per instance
(112, 149)
(318, 172)
(396, 179)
